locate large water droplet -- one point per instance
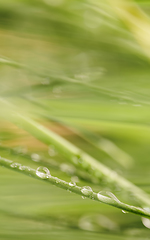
(108, 195)
(101, 196)
(43, 172)
(87, 191)
(146, 222)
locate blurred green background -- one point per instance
(80, 70)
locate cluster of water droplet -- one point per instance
(15, 165)
(20, 167)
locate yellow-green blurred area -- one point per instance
(83, 71)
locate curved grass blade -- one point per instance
(73, 153)
(83, 191)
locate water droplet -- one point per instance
(43, 172)
(123, 211)
(56, 179)
(111, 195)
(35, 157)
(87, 191)
(71, 184)
(146, 222)
(51, 151)
(22, 167)
(15, 165)
(103, 195)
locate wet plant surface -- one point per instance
(74, 131)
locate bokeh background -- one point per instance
(82, 69)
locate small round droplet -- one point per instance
(56, 179)
(87, 191)
(72, 184)
(106, 195)
(43, 172)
